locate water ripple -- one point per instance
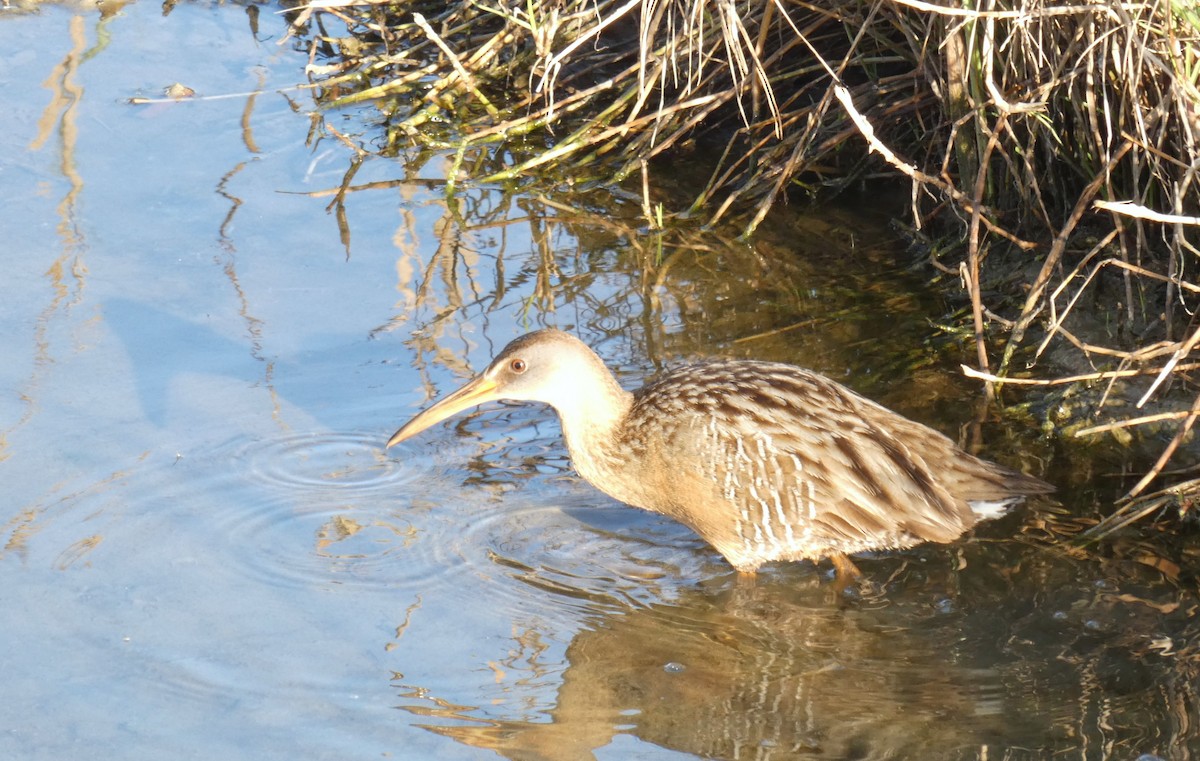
(337, 460)
(591, 557)
(329, 508)
(334, 509)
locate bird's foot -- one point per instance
(849, 583)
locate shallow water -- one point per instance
(206, 553)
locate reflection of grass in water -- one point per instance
(807, 291)
(340, 529)
(1016, 121)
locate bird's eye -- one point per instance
(518, 366)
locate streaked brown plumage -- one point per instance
(764, 460)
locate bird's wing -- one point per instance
(797, 460)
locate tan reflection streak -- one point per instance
(58, 117)
(403, 627)
(253, 324)
(62, 110)
(497, 671)
(406, 242)
(22, 526)
(548, 274)
(338, 204)
(443, 266)
(247, 112)
(42, 358)
(338, 529)
(76, 551)
(405, 239)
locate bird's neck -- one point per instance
(596, 413)
(592, 420)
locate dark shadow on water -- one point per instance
(162, 346)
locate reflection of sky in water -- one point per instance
(206, 553)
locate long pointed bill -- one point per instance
(478, 391)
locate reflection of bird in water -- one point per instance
(753, 672)
(765, 461)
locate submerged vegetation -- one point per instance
(1051, 149)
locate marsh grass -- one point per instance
(1062, 137)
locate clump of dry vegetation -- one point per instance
(1059, 141)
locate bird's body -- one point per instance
(765, 461)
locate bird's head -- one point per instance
(547, 366)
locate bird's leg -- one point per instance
(847, 572)
(746, 579)
(850, 583)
